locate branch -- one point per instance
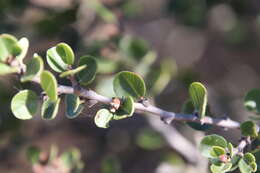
(174, 139)
(167, 117)
(242, 144)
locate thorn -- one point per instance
(196, 114)
(167, 120)
(164, 120)
(144, 101)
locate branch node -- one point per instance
(167, 119)
(144, 101)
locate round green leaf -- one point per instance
(249, 128)
(198, 95)
(6, 69)
(73, 106)
(50, 109)
(220, 169)
(217, 151)
(209, 141)
(252, 100)
(24, 104)
(49, 85)
(249, 158)
(87, 75)
(33, 68)
(188, 108)
(66, 53)
(103, 117)
(245, 167)
(60, 57)
(73, 71)
(126, 109)
(129, 84)
(8, 47)
(23, 43)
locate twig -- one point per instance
(167, 117)
(242, 145)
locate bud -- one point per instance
(224, 158)
(115, 104)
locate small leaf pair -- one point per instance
(11, 49)
(130, 87)
(219, 151)
(210, 141)
(25, 103)
(222, 157)
(104, 116)
(61, 58)
(74, 107)
(247, 164)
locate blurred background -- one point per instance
(171, 43)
